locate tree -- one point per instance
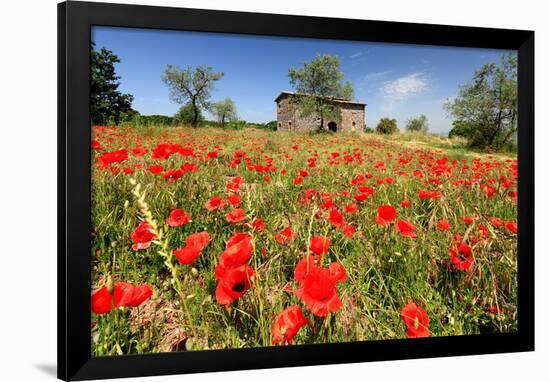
(387, 126)
(460, 129)
(485, 109)
(418, 124)
(223, 111)
(186, 114)
(107, 103)
(318, 83)
(191, 85)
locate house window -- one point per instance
(353, 124)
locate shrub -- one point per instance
(185, 115)
(387, 126)
(418, 124)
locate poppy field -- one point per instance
(207, 238)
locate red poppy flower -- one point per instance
(126, 294)
(406, 228)
(96, 145)
(234, 199)
(361, 197)
(405, 204)
(257, 224)
(424, 194)
(194, 244)
(142, 293)
(139, 151)
(303, 267)
(189, 167)
(468, 219)
(178, 218)
(107, 158)
(349, 230)
(142, 236)
(319, 244)
(497, 222)
(187, 254)
(235, 183)
(490, 191)
(318, 290)
(416, 320)
(102, 301)
(235, 216)
(386, 214)
(287, 235)
(336, 270)
(155, 169)
(512, 226)
(164, 150)
(233, 284)
(237, 252)
(172, 175)
(287, 324)
(461, 256)
(351, 208)
(443, 225)
(123, 293)
(298, 180)
(186, 151)
(214, 203)
(336, 218)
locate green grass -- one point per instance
(385, 271)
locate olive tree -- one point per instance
(387, 126)
(318, 83)
(223, 111)
(485, 109)
(191, 85)
(417, 124)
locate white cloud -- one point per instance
(362, 52)
(399, 89)
(377, 76)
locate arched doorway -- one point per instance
(332, 126)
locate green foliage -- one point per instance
(461, 129)
(191, 85)
(368, 130)
(156, 120)
(134, 119)
(238, 124)
(317, 83)
(418, 124)
(387, 126)
(224, 111)
(271, 125)
(107, 103)
(485, 109)
(186, 114)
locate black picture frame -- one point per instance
(75, 20)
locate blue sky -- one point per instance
(395, 80)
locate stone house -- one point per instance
(289, 116)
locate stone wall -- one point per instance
(289, 118)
